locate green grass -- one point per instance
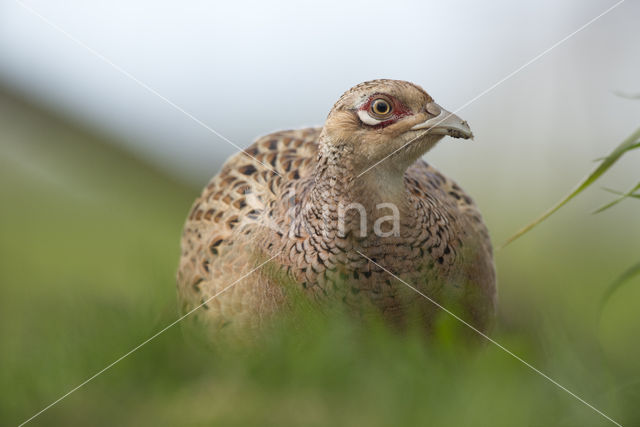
(88, 252)
(629, 144)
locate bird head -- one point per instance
(388, 122)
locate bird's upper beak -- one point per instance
(444, 123)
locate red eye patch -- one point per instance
(399, 110)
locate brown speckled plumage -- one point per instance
(284, 195)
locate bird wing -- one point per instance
(217, 231)
(448, 192)
(477, 262)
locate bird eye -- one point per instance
(380, 108)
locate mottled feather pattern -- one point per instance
(313, 201)
(226, 225)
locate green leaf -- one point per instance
(632, 142)
(623, 196)
(622, 279)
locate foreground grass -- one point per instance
(88, 252)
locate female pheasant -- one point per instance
(340, 213)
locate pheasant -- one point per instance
(345, 214)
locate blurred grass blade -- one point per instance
(623, 196)
(630, 143)
(621, 280)
(627, 95)
(612, 191)
(633, 147)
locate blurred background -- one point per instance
(106, 111)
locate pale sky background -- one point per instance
(248, 68)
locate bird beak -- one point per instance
(444, 123)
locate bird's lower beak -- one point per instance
(444, 123)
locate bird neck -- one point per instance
(338, 196)
(336, 177)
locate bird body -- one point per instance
(346, 214)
